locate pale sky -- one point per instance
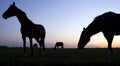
(62, 19)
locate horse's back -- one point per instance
(107, 22)
(110, 22)
(59, 43)
(39, 31)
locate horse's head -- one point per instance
(10, 11)
(84, 39)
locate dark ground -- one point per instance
(60, 57)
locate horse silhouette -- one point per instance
(35, 45)
(107, 23)
(28, 28)
(58, 44)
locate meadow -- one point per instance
(60, 57)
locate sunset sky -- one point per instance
(63, 20)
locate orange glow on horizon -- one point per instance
(97, 41)
(100, 41)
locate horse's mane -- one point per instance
(23, 14)
(19, 9)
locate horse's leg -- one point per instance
(24, 44)
(55, 47)
(109, 40)
(39, 42)
(62, 47)
(31, 48)
(43, 43)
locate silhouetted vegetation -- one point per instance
(3, 47)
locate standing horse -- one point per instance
(28, 28)
(107, 23)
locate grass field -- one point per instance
(61, 57)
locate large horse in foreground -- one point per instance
(28, 28)
(107, 23)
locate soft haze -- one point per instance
(63, 20)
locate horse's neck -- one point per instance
(23, 19)
(92, 30)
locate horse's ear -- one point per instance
(13, 3)
(84, 28)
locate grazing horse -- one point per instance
(107, 23)
(28, 28)
(58, 44)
